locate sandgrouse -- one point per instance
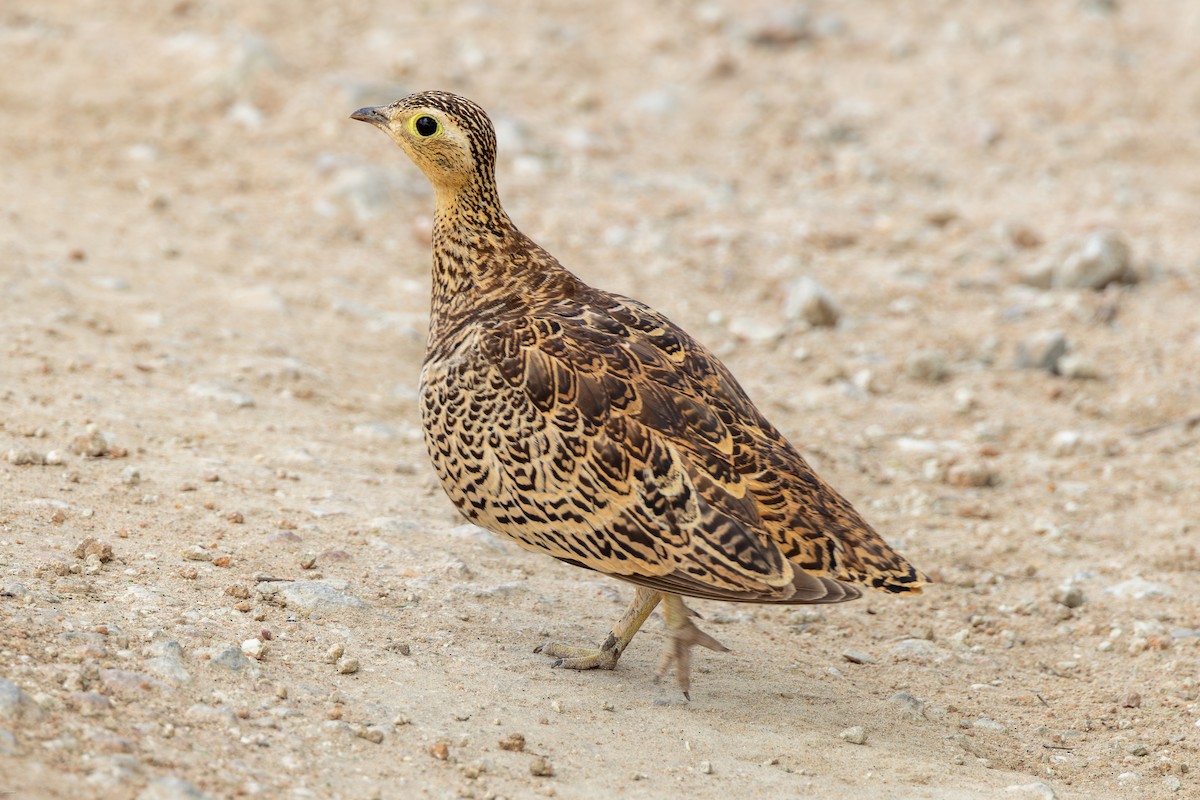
(589, 427)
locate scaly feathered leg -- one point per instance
(684, 635)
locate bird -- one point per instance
(587, 426)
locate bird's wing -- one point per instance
(680, 482)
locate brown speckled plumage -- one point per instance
(588, 426)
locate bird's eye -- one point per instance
(426, 126)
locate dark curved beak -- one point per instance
(372, 114)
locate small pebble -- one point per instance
(854, 735)
(987, 724)
(197, 553)
(347, 665)
(706, 767)
(858, 657)
(1078, 367)
(254, 648)
(927, 366)
(93, 547)
(514, 742)
(782, 27)
(1042, 351)
(1131, 700)
(231, 658)
(976, 474)
(370, 733)
(440, 751)
(1071, 597)
(756, 330)
(809, 301)
(1103, 259)
(335, 651)
(965, 400)
(93, 445)
(1138, 588)
(22, 457)
(1065, 443)
(541, 767)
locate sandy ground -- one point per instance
(214, 288)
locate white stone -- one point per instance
(807, 300)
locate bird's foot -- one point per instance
(606, 655)
(684, 636)
(571, 657)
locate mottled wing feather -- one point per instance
(762, 480)
(626, 447)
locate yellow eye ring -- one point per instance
(424, 126)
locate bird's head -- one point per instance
(449, 137)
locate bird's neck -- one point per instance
(481, 261)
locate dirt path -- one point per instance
(215, 288)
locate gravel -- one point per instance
(320, 596)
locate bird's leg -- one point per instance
(684, 635)
(605, 656)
